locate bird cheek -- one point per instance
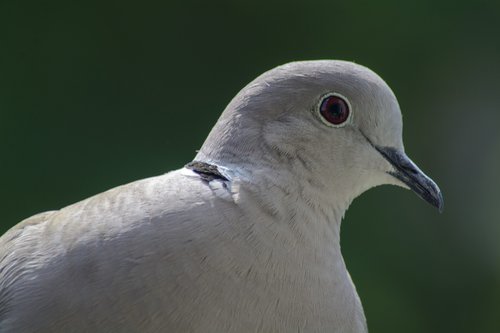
(379, 169)
(382, 172)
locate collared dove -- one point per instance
(243, 239)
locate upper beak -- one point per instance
(407, 172)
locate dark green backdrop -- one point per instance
(97, 94)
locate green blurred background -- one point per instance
(97, 94)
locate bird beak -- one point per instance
(407, 172)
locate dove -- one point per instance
(244, 238)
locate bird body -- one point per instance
(247, 239)
(135, 271)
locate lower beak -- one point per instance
(408, 173)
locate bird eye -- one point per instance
(334, 110)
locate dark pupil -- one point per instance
(336, 110)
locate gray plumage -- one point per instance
(246, 241)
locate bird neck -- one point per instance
(299, 209)
(294, 226)
(299, 204)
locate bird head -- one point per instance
(335, 124)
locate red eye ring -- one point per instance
(334, 110)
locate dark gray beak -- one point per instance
(407, 172)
